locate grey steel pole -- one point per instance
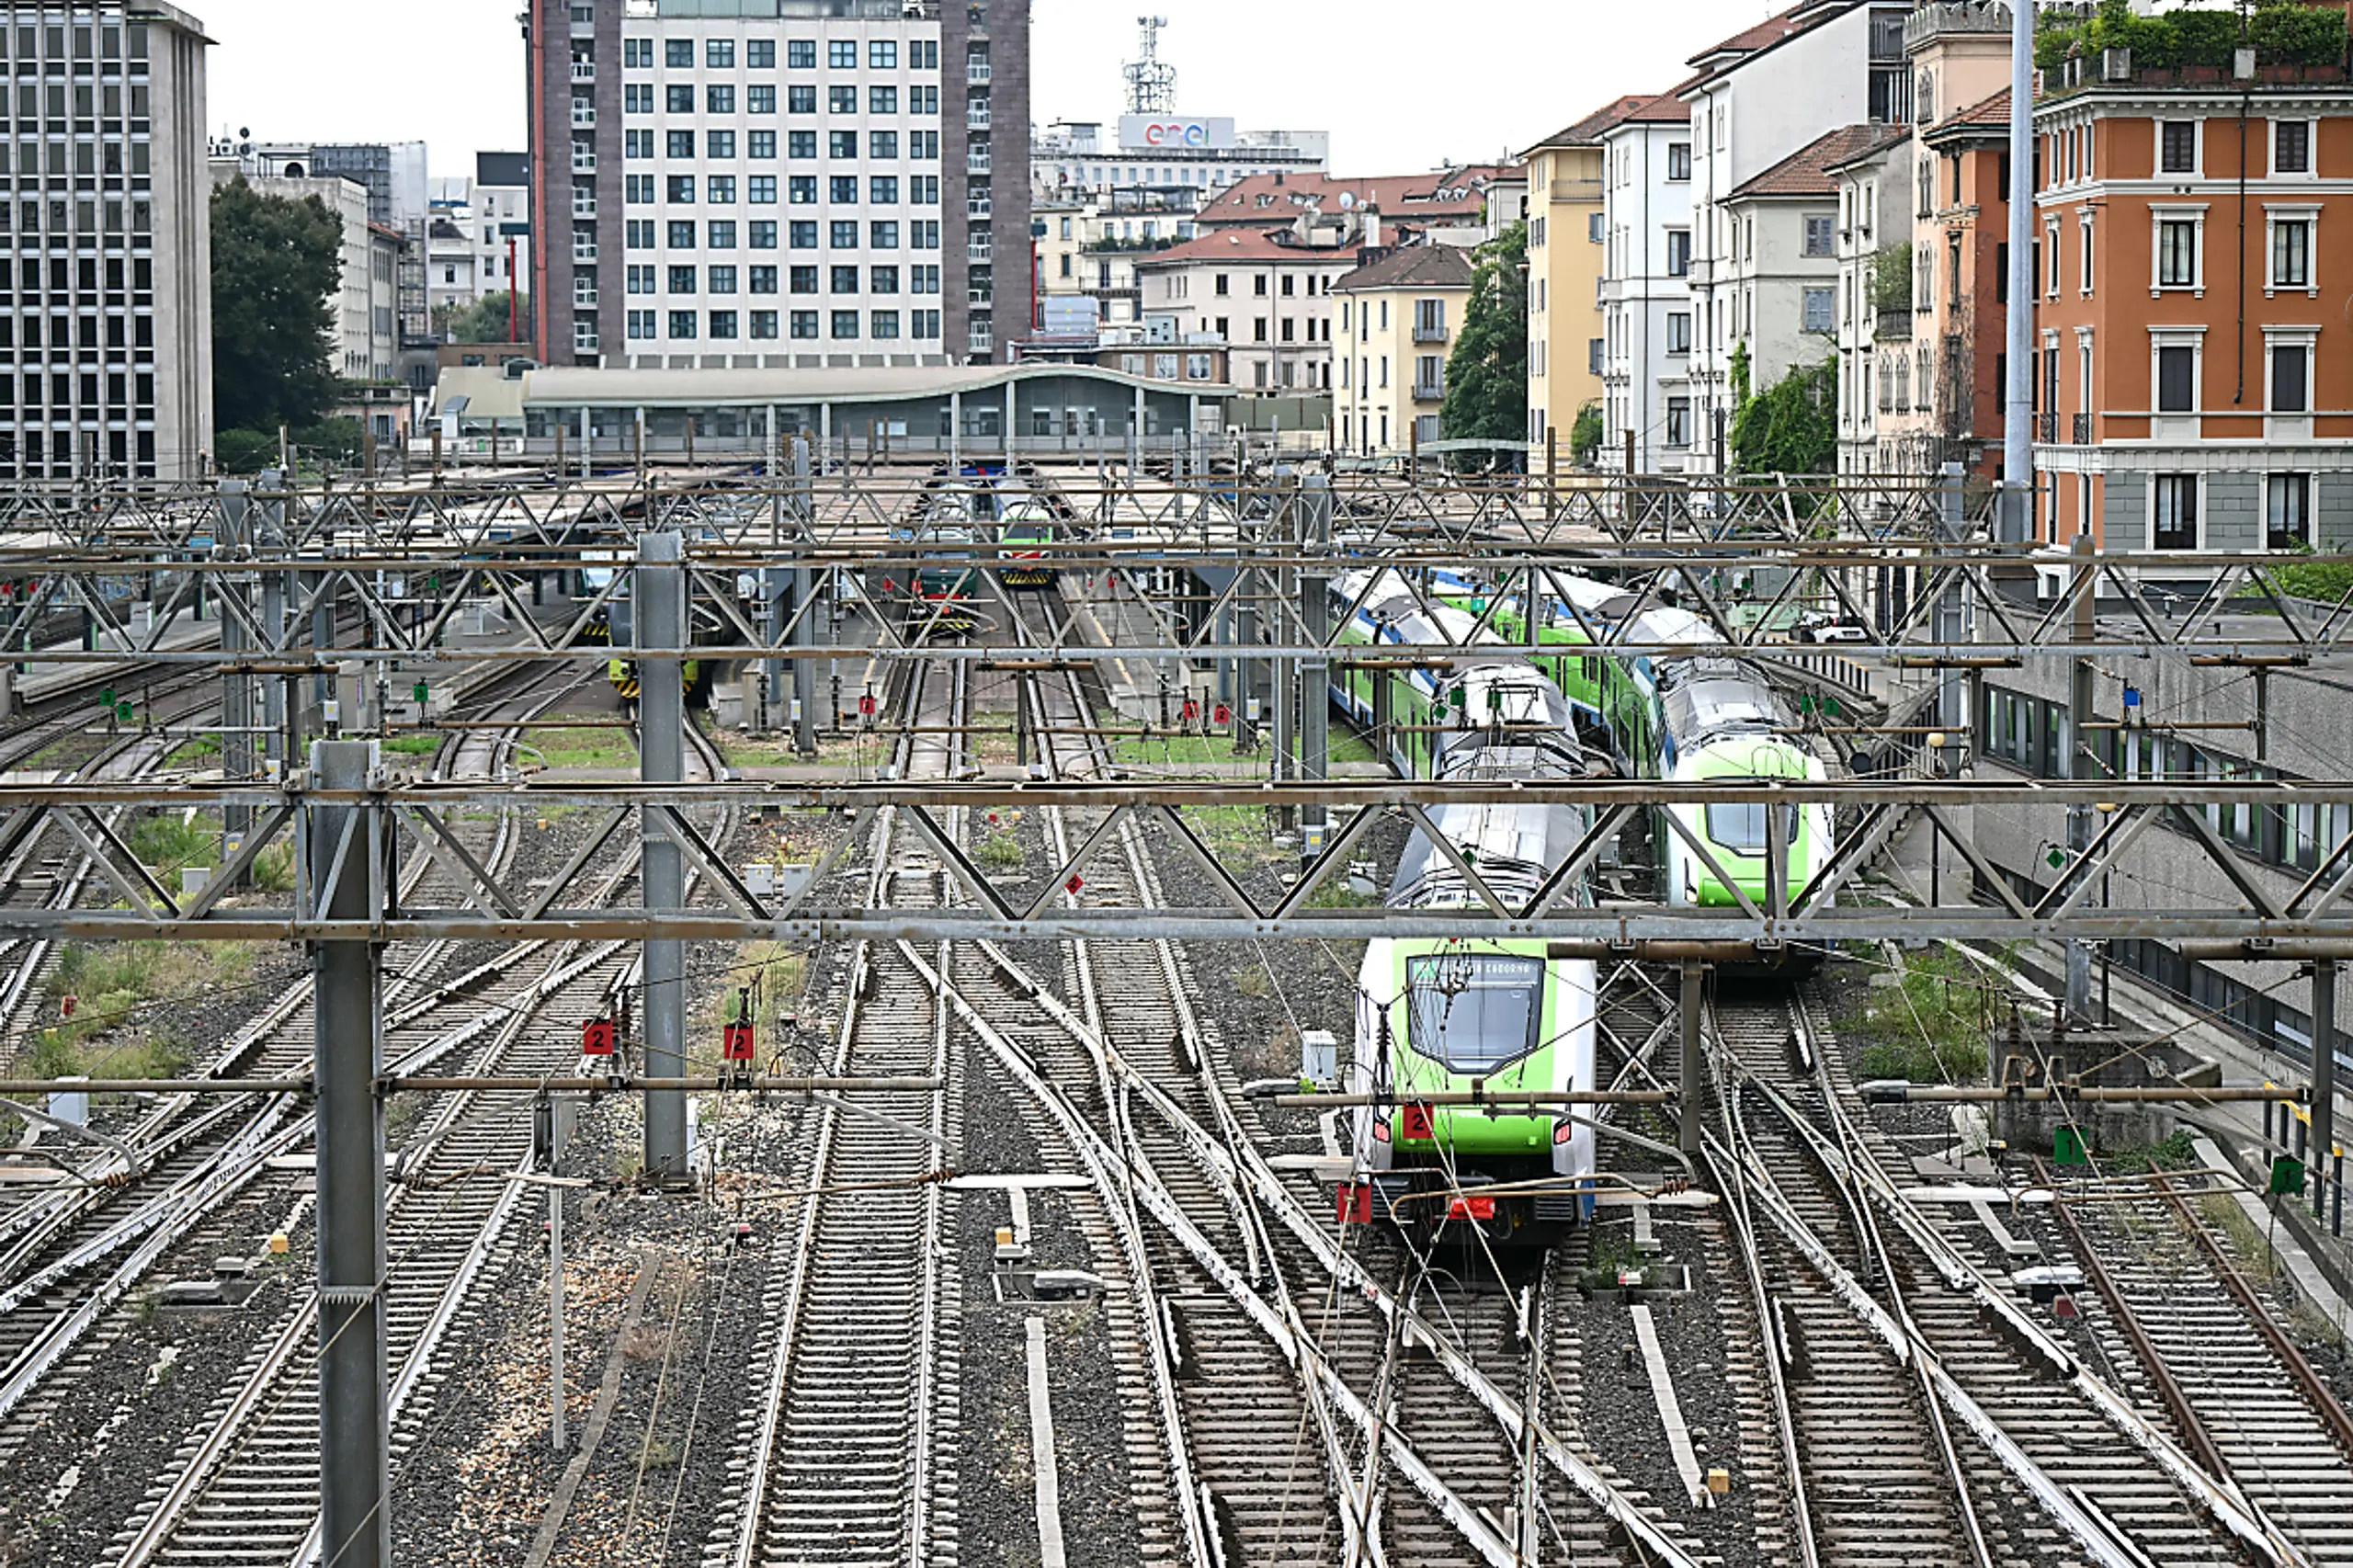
(804, 599)
(2079, 818)
(277, 693)
(1688, 1088)
(1950, 616)
(236, 689)
(1315, 678)
(354, 1437)
(661, 623)
(2017, 430)
(1285, 583)
(2323, 1082)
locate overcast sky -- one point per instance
(1401, 85)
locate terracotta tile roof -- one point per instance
(1586, 133)
(1417, 267)
(1270, 199)
(1981, 122)
(1807, 171)
(1249, 247)
(1767, 35)
(1667, 108)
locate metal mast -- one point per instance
(1151, 86)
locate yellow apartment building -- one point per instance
(1398, 317)
(1567, 255)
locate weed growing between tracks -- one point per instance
(127, 999)
(1932, 1026)
(583, 748)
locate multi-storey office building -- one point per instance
(105, 320)
(1162, 163)
(780, 182)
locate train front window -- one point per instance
(1741, 829)
(1474, 1012)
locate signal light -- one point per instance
(1563, 1130)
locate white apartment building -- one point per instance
(106, 315)
(725, 183)
(363, 345)
(1759, 97)
(1645, 290)
(499, 208)
(1874, 285)
(1265, 296)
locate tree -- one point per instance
(275, 265)
(1486, 379)
(1787, 428)
(1584, 436)
(488, 320)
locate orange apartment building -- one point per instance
(2194, 379)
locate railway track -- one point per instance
(243, 1489)
(1452, 1480)
(2168, 1295)
(2050, 1463)
(858, 1379)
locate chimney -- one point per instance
(1372, 228)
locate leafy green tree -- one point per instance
(487, 320)
(275, 266)
(1487, 379)
(1584, 436)
(1788, 427)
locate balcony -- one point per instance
(1429, 392)
(584, 113)
(978, 118)
(2046, 429)
(584, 299)
(979, 207)
(585, 339)
(583, 252)
(583, 71)
(2083, 429)
(981, 251)
(1576, 190)
(1424, 332)
(978, 163)
(583, 206)
(977, 73)
(583, 162)
(981, 298)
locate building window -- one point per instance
(678, 53)
(842, 55)
(1678, 253)
(759, 54)
(2177, 253)
(760, 100)
(846, 325)
(1678, 331)
(2179, 154)
(2287, 508)
(1596, 228)
(719, 54)
(683, 324)
(2292, 366)
(2176, 522)
(1678, 160)
(2177, 380)
(722, 325)
(1678, 422)
(1821, 309)
(2291, 147)
(804, 325)
(1821, 237)
(1595, 351)
(2292, 253)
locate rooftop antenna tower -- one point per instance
(1151, 86)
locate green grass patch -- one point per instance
(1932, 1027)
(193, 753)
(2174, 1153)
(999, 852)
(413, 745)
(174, 840)
(583, 748)
(126, 1000)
